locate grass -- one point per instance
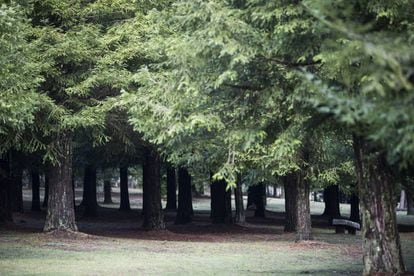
(26, 254)
(115, 245)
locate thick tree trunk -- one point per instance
(382, 249)
(331, 198)
(257, 196)
(297, 206)
(153, 216)
(35, 190)
(274, 190)
(291, 192)
(60, 210)
(89, 185)
(238, 198)
(17, 176)
(124, 205)
(185, 198)
(46, 197)
(171, 189)
(220, 209)
(107, 192)
(303, 226)
(5, 191)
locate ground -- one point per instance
(113, 243)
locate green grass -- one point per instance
(178, 252)
(31, 254)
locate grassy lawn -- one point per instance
(115, 245)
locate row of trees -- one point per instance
(250, 90)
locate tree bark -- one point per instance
(220, 209)
(5, 191)
(297, 206)
(35, 190)
(89, 185)
(124, 205)
(171, 189)
(185, 197)
(257, 196)
(60, 210)
(107, 192)
(238, 198)
(291, 192)
(153, 216)
(331, 199)
(382, 249)
(303, 226)
(46, 197)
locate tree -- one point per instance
(19, 77)
(89, 201)
(61, 209)
(107, 187)
(124, 204)
(171, 189)
(46, 197)
(35, 177)
(153, 215)
(185, 198)
(331, 199)
(5, 196)
(220, 200)
(365, 86)
(238, 198)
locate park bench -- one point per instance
(342, 224)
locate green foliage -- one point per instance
(366, 81)
(19, 75)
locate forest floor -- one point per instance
(114, 244)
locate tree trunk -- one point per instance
(238, 198)
(303, 226)
(402, 205)
(355, 208)
(46, 197)
(297, 206)
(35, 190)
(331, 198)
(153, 216)
(410, 202)
(229, 214)
(185, 198)
(89, 185)
(5, 191)
(107, 192)
(257, 196)
(171, 189)
(291, 192)
(274, 190)
(124, 205)
(17, 176)
(382, 249)
(60, 210)
(220, 209)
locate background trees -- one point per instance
(242, 89)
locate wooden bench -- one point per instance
(342, 224)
